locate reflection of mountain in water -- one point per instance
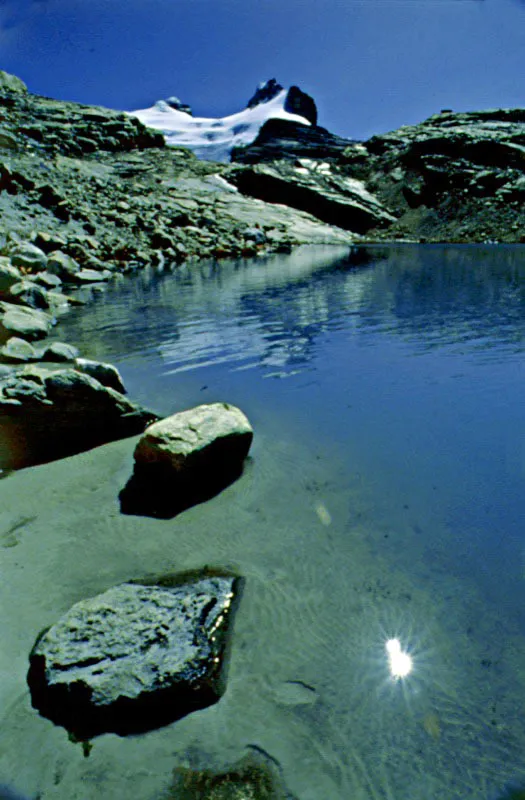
(273, 311)
(270, 313)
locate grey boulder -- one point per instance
(64, 266)
(59, 352)
(51, 411)
(136, 657)
(187, 458)
(11, 83)
(9, 276)
(18, 350)
(104, 373)
(29, 294)
(28, 323)
(29, 257)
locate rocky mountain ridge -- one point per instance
(456, 177)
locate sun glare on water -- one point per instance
(399, 661)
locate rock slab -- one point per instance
(135, 657)
(187, 458)
(314, 187)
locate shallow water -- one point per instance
(384, 498)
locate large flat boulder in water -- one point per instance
(187, 458)
(135, 657)
(49, 411)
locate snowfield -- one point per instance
(209, 138)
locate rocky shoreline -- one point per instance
(88, 194)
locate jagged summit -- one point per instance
(295, 102)
(265, 91)
(215, 138)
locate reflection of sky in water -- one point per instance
(415, 379)
(455, 298)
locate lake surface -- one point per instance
(384, 500)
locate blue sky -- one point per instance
(371, 65)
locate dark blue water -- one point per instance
(403, 367)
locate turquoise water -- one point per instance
(401, 370)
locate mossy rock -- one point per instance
(11, 83)
(252, 778)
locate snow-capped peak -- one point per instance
(213, 139)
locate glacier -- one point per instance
(211, 138)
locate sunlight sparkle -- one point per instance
(399, 661)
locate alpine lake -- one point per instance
(378, 652)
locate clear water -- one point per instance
(385, 498)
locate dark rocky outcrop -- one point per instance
(456, 176)
(314, 187)
(284, 139)
(136, 657)
(296, 101)
(265, 91)
(49, 411)
(178, 105)
(187, 458)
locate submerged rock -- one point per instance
(8, 793)
(257, 776)
(135, 657)
(187, 458)
(49, 411)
